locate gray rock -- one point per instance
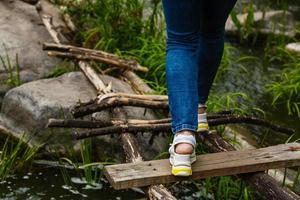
(22, 33)
(27, 108)
(278, 22)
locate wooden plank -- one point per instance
(140, 174)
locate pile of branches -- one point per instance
(118, 125)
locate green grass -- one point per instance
(88, 171)
(285, 89)
(61, 68)
(13, 72)
(14, 156)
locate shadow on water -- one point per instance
(49, 184)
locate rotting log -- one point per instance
(79, 53)
(264, 186)
(155, 192)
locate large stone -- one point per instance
(22, 33)
(278, 22)
(27, 108)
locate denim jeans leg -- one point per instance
(181, 62)
(213, 15)
(209, 54)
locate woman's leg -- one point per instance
(214, 14)
(183, 20)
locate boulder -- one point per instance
(21, 37)
(278, 22)
(27, 108)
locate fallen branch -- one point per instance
(79, 53)
(231, 119)
(125, 99)
(115, 102)
(162, 125)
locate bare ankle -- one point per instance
(184, 148)
(201, 110)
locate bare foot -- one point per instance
(184, 148)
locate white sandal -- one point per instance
(181, 163)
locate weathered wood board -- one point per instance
(140, 174)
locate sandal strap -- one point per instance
(202, 118)
(182, 160)
(190, 139)
(202, 105)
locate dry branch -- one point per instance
(79, 53)
(118, 126)
(115, 102)
(125, 99)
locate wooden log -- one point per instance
(92, 76)
(48, 23)
(79, 53)
(133, 96)
(115, 102)
(264, 186)
(157, 126)
(137, 83)
(122, 176)
(76, 123)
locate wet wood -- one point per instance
(123, 176)
(264, 186)
(79, 53)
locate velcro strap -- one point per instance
(182, 160)
(190, 139)
(202, 118)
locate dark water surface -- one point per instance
(49, 184)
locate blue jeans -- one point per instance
(195, 43)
